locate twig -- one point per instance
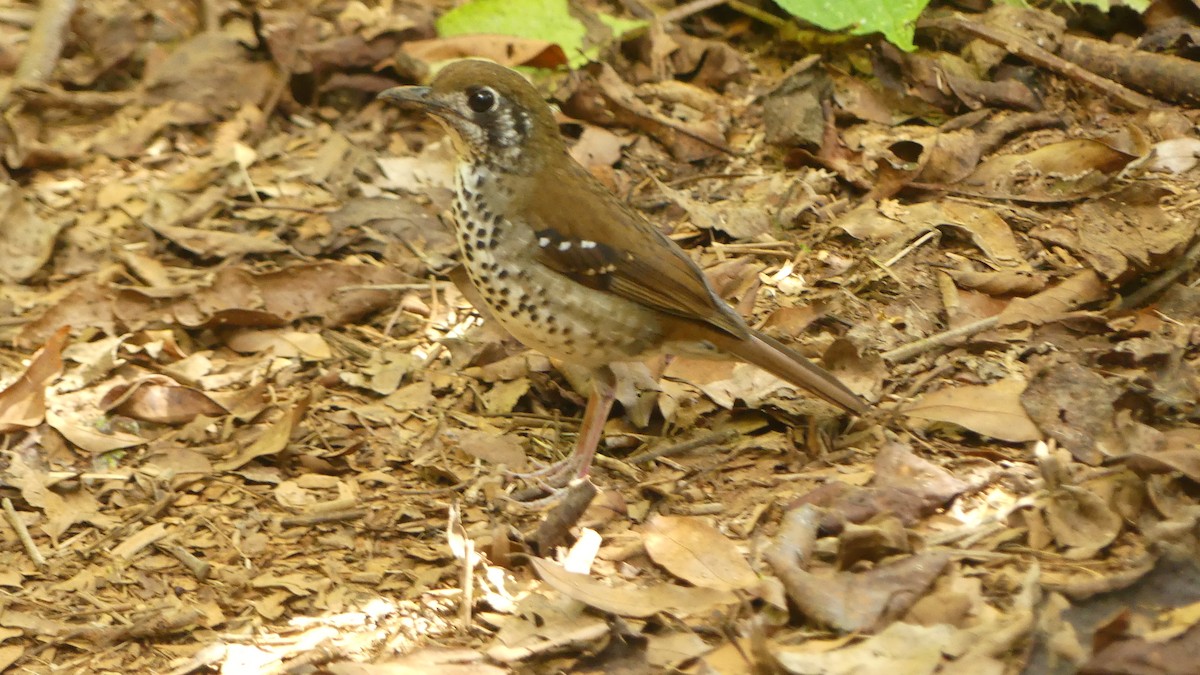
(319, 518)
(925, 344)
(199, 568)
(713, 438)
(1140, 296)
(18, 525)
(1028, 50)
(929, 234)
(689, 8)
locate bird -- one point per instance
(567, 267)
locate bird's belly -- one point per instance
(540, 307)
(563, 319)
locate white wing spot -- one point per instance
(564, 246)
(587, 243)
(543, 241)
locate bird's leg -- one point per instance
(553, 477)
(604, 390)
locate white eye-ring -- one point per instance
(482, 99)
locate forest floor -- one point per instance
(249, 424)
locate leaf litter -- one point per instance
(249, 422)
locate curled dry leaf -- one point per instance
(1074, 405)
(1182, 454)
(1080, 519)
(23, 402)
(629, 600)
(1058, 172)
(283, 343)
(160, 399)
(1011, 282)
(992, 410)
(274, 439)
(698, 553)
(900, 224)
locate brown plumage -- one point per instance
(567, 267)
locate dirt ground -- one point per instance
(250, 424)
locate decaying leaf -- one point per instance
(992, 410)
(697, 553)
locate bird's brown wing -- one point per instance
(585, 233)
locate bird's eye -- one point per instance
(481, 99)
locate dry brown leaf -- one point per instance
(1080, 519)
(499, 449)
(1061, 171)
(274, 439)
(160, 399)
(992, 410)
(698, 553)
(629, 600)
(26, 239)
(217, 244)
(79, 424)
(283, 343)
(23, 401)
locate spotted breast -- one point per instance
(540, 307)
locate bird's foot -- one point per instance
(545, 485)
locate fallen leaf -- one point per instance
(23, 402)
(629, 600)
(992, 410)
(698, 553)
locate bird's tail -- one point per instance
(771, 355)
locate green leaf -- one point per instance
(547, 20)
(619, 26)
(534, 19)
(896, 19)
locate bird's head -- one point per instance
(493, 114)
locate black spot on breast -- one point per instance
(505, 291)
(480, 232)
(502, 275)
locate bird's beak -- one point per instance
(407, 96)
(418, 98)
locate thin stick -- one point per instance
(714, 438)
(925, 344)
(14, 519)
(1138, 297)
(687, 9)
(1028, 50)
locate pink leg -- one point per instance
(552, 479)
(604, 385)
